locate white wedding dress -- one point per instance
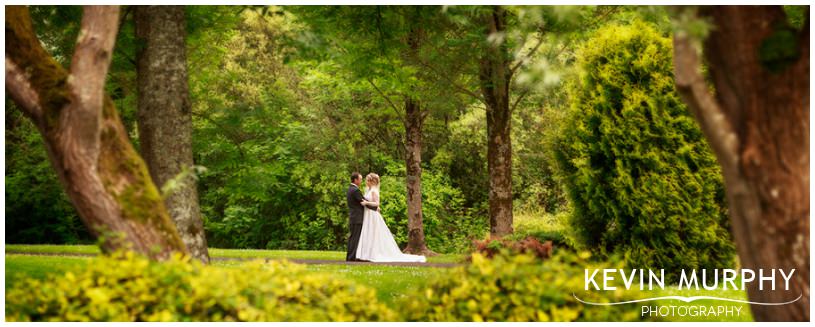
(376, 243)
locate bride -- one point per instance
(376, 243)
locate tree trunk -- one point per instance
(86, 142)
(758, 126)
(413, 161)
(165, 119)
(495, 75)
(414, 124)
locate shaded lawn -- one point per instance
(213, 252)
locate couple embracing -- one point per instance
(370, 239)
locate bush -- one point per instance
(529, 245)
(516, 288)
(638, 172)
(131, 288)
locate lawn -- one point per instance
(213, 252)
(390, 282)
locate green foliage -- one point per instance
(516, 288)
(544, 227)
(448, 225)
(796, 16)
(280, 148)
(286, 102)
(463, 158)
(131, 288)
(37, 209)
(780, 49)
(394, 285)
(639, 174)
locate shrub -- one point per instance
(638, 172)
(516, 288)
(529, 245)
(131, 288)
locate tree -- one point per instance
(495, 75)
(757, 123)
(165, 119)
(487, 29)
(87, 145)
(414, 119)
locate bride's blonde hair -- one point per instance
(372, 180)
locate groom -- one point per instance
(355, 213)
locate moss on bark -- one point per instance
(123, 174)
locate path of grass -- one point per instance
(213, 252)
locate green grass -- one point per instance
(19, 267)
(213, 252)
(391, 282)
(51, 249)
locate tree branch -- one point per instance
(92, 56)
(528, 55)
(387, 98)
(32, 75)
(519, 99)
(460, 88)
(692, 87)
(21, 91)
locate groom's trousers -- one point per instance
(353, 241)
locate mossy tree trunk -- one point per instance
(165, 118)
(86, 142)
(495, 75)
(757, 123)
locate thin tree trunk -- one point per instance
(164, 116)
(413, 161)
(757, 124)
(495, 75)
(86, 142)
(414, 125)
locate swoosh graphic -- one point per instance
(688, 300)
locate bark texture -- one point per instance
(164, 116)
(757, 124)
(414, 121)
(495, 75)
(414, 125)
(86, 142)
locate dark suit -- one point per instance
(355, 213)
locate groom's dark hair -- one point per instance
(354, 176)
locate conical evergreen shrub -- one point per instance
(639, 174)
